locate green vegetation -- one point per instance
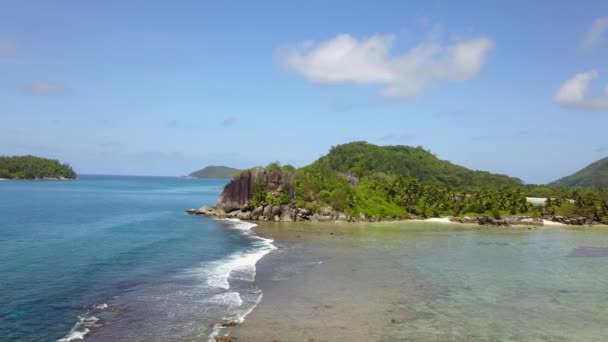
(30, 167)
(215, 172)
(364, 159)
(388, 182)
(594, 175)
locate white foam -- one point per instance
(80, 329)
(239, 265)
(232, 299)
(102, 306)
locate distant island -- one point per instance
(594, 175)
(214, 172)
(359, 181)
(31, 167)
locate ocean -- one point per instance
(110, 258)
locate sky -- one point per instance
(165, 88)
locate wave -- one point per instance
(84, 324)
(241, 266)
(222, 290)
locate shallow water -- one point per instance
(116, 258)
(432, 282)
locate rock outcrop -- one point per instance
(288, 213)
(506, 221)
(576, 221)
(240, 190)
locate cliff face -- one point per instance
(239, 191)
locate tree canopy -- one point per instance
(215, 172)
(31, 167)
(401, 181)
(593, 175)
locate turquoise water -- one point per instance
(115, 257)
(496, 284)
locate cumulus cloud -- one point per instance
(574, 93)
(596, 34)
(345, 59)
(41, 88)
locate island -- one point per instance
(34, 168)
(359, 181)
(220, 172)
(593, 175)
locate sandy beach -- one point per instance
(412, 281)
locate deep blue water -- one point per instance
(117, 256)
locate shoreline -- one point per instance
(286, 213)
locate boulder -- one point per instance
(288, 213)
(266, 213)
(525, 221)
(257, 212)
(244, 215)
(224, 339)
(228, 324)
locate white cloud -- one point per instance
(41, 88)
(574, 93)
(345, 59)
(596, 33)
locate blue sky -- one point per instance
(164, 88)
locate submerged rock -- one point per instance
(224, 339)
(228, 324)
(589, 252)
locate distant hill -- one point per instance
(31, 167)
(365, 159)
(594, 175)
(215, 172)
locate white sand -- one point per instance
(439, 220)
(551, 223)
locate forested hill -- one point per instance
(360, 181)
(215, 172)
(364, 159)
(31, 167)
(594, 175)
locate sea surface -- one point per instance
(115, 258)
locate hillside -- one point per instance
(365, 159)
(215, 172)
(594, 175)
(31, 167)
(360, 181)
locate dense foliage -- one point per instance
(360, 179)
(594, 175)
(364, 159)
(215, 172)
(30, 167)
